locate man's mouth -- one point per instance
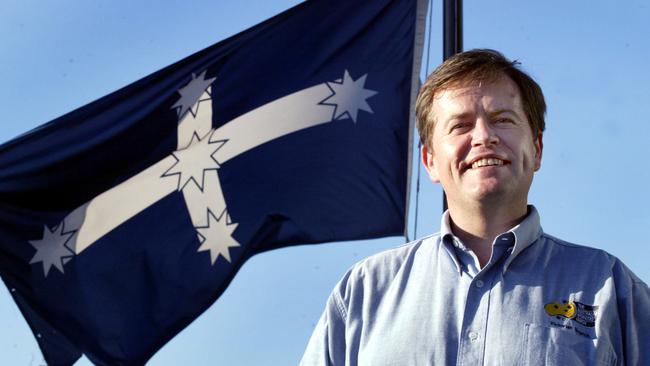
(487, 162)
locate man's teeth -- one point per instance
(486, 162)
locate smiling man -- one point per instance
(491, 288)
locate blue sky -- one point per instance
(590, 57)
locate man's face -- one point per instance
(482, 148)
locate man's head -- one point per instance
(481, 123)
(478, 66)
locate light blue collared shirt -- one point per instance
(538, 301)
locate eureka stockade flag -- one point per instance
(125, 219)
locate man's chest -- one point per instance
(490, 319)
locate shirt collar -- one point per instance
(525, 234)
(448, 239)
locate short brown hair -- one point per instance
(478, 65)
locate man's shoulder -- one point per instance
(395, 257)
(561, 244)
(561, 251)
(383, 266)
(586, 256)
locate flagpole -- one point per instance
(452, 27)
(418, 48)
(452, 40)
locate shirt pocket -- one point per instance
(557, 346)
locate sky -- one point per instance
(590, 57)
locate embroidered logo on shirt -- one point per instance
(580, 313)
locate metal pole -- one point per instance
(452, 33)
(452, 41)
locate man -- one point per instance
(491, 288)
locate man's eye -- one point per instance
(459, 126)
(503, 120)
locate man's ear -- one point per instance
(429, 164)
(539, 147)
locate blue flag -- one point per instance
(125, 219)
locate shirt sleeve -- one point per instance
(635, 315)
(327, 345)
(634, 312)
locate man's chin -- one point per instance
(487, 193)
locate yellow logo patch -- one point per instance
(567, 309)
(580, 313)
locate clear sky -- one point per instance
(590, 57)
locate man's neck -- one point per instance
(478, 226)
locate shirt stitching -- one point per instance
(340, 306)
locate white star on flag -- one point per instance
(193, 161)
(349, 96)
(51, 250)
(217, 236)
(191, 94)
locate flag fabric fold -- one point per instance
(125, 219)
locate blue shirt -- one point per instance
(538, 301)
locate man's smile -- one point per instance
(483, 161)
(487, 162)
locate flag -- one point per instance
(125, 219)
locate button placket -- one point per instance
(474, 325)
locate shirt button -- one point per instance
(479, 283)
(473, 336)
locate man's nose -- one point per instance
(484, 133)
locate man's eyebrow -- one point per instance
(457, 116)
(499, 111)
